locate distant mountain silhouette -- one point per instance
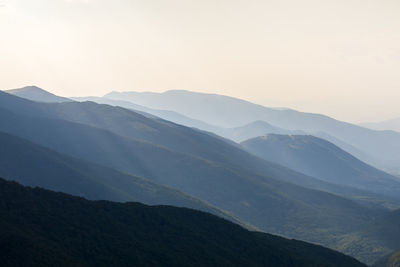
(393, 125)
(35, 93)
(319, 158)
(44, 228)
(224, 111)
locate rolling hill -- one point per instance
(44, 228)
(319, 158)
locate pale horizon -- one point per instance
(337, 58)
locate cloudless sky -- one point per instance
(337, 57)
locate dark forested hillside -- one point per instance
(43, 228)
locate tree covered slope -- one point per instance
(43, 228)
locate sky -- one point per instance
(336, 57)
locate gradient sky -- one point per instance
(337, 57)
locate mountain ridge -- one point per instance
(319, 158)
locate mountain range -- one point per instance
(392, 124)
(379, 148)
(153, 159)
(224, 181)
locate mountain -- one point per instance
(168, 115)
(237, 134)
(319, 158)
(381, 146)
(34, 165)
(44, 228)
(225, 176)
(132, 125)
(267, 203)
(393, 124)
(35, 93)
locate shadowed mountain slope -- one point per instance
(40, 227)
(34, 165)
(319, 158)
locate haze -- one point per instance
(340, 58)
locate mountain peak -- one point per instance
(37, 94)
(27, 88)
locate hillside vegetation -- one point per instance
(43, 228)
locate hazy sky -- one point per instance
(337, 57)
